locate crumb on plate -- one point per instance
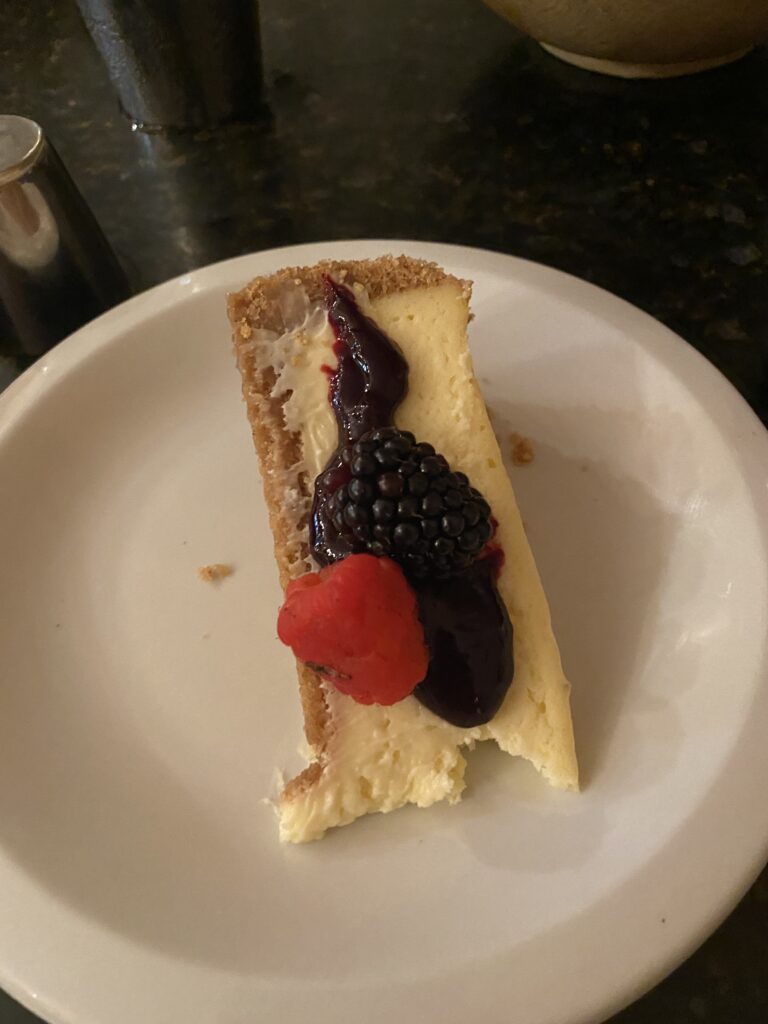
(215, 572)
(521, 448)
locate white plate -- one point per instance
(142, 711)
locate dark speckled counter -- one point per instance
(434, 120)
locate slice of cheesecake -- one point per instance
(367, 758)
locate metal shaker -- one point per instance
(57, 270)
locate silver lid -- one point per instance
(21, 143)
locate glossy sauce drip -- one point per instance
(369, 383)
(466, 625)
(469, 637)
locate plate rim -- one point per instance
(32, 385)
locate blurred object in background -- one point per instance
(180, 63)
(640, 38)
(57, 270)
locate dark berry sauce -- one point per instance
(369, 383)
(469, 636)
(466, 625)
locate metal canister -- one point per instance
(57, 270)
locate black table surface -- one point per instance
(435, 120)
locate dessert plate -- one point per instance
(142, 710)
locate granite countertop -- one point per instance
(437, 121)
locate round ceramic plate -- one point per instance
(143, 712)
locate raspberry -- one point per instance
(356, 622)
(402, 501)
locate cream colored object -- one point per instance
(641, 38)
(379, 758)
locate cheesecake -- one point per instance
(367, 757)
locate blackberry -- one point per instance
(403, 501)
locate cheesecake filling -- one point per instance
(379, 758)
